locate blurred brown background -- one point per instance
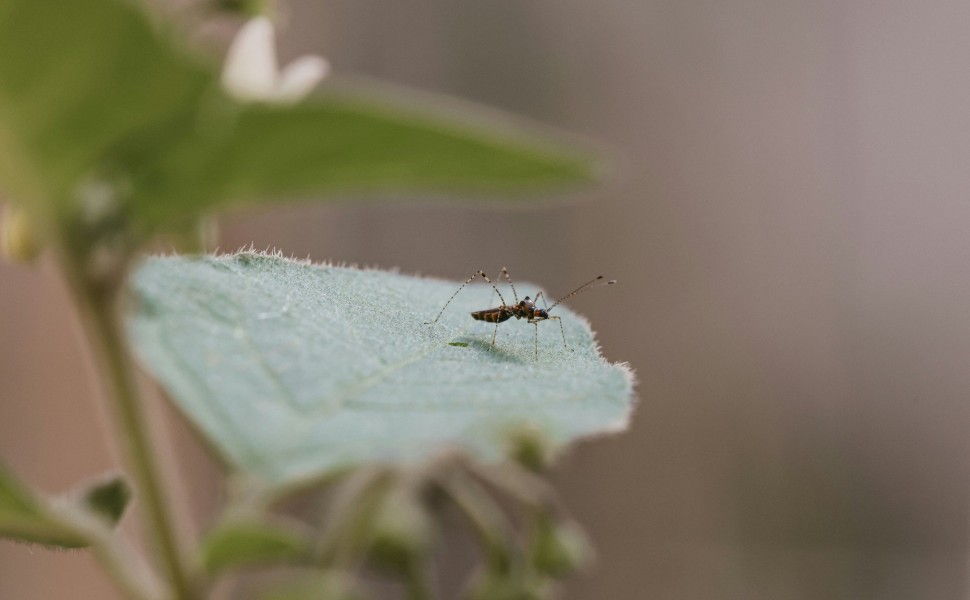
(788, 225)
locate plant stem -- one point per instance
(485, 518)
(98, 307)
(130, 573)
(350, 512)
(419, 588)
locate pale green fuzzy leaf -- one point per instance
(295, 371)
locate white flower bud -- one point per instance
(252, 74)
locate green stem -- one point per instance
(128, 410)
(521, 484)
(349, 514)
(485, 518)
(124, 566)
(114, 557)
(419, 588)
(98, 307)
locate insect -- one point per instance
(521, 309)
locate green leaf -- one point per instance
(340, 145)
(92, 95)
(107, 498)
(82, 82)
(296, 371)
(239, 542)
(27, 518)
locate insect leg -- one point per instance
(561, 330)
(493, 337)
(536, 325)
(489, 281)
(505, 271)
(467, 281)
(544, 305)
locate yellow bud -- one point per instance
(19, 239)
(530, 448)
(559, 547)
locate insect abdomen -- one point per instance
(492, 315)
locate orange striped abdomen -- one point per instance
(492, 315)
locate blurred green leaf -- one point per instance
(81, 82)
(107, 498)
(339, 146)
(295, 371)
(92, 93)
(239, 542)
(27, 518)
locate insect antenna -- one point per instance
(582, 288)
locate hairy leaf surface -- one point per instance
(295, 370)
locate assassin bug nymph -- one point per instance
(521, 309)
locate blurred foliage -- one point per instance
(106, 123)
(238, 541)
(111, 132)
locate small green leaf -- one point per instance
(240, 542)
(107, 498)
(27, 518)
(295, 371)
